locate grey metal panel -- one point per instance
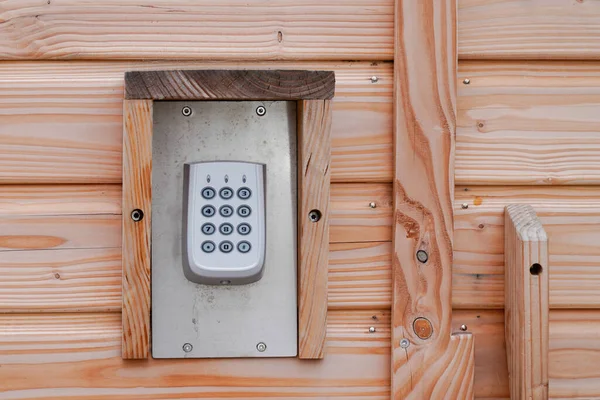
(224, 321)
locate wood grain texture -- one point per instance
(137, 188)
(314, 156)
(207, 29)
(223, 84)
(529, 29)
(352, 219)
(424, 124)
(533, 123)
(78, 356)
(526, 303)
(74, 280)
(62, 122)
(571, 218)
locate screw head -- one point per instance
(137, 215)
(372, 204)
(372, 329)
(261, 347)
(463, 327)
(260, 111)
(467, 81)
(314, 215)
(187, 347)
(186, 111)
(422, 256)
(404, 343)
(465, 206)
(374, 79)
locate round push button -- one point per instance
(226, 193)
(244, 193)
(208, 193)
(226, 211)
(208, 246)
(244, 247)
(226, 229)
(226, 246)
(208, 211)
(208, 229)
(244, 211)
(244, 229)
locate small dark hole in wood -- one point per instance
(314, 215)
(535, 269)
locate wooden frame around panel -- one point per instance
(313, 90)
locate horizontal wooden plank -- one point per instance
(571, 217)
(78, 356)
(532, 123)
(62, 122)
(208, 29)
(539, 29)
(354, 219)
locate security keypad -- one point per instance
(225, 222)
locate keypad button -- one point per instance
(226, 229)
(226, 211)
(244, 229)
(226, 246)
(208, 246)
(208, 211)
(208, 192)
(244, 193)
(244, 246)
(208, 229)
(226, 193)
(244, 211)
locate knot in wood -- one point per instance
(423, 328)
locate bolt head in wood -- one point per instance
(137, 215)
(404, 343)
(423, 328)
(374, 79)
(467, 81)
(314, 215)
(372, 329)
(422, 256)
(372, 204)
(463, 327)
(465, 206)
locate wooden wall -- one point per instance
(527, 132)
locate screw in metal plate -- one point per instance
(463, 327)
(465, 206)
(467, 81)
(187, 347)
(261, 347)
(372, 329)
(372, 204)
(137, 215)
(404, 343)
(314, 215)
(422, 256)
(186, 111)
(374, 79)
(260, 111)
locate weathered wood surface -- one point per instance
(530, 29)
(209, 29)
(62, 122)
(314, 155)
(223, 84)
(137, 195)
(571, 218)
(526, 303)
(437, 364)
(528, 123)
(78, 355)
(352, 217)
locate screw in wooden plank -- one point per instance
(422, 256)
(372, 204)
(372, 329)
(465, 206)
(404, 343)
(467, 81)
(374, 79)
(463, 327)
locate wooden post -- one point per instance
(526, 303)
(428, 362)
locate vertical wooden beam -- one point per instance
(526, 303)
(428, 362)
(314, 127)
(137, 186)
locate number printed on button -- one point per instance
(226, 246)
(208, 211)
(244, 211)
(244, 193)
(226, 229)
(226, 193)
(208, 193)
(226, 211)
(244, 229)
(208, 228)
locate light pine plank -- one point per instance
(526, 303)
(360, 276)
(352, 217)
(530, 29)
(314, 156)
(71, 355)
(437, 363)
(207, 29)
(137, 188)
(74, 280)
(532, 123)
(62, 122)
(571, 218)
